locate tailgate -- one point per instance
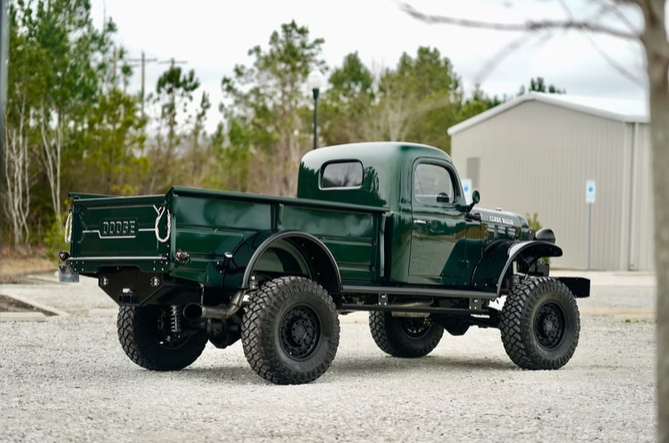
(118, 231)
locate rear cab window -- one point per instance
(342, 175)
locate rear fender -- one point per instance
(299, 250)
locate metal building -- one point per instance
(535, 153)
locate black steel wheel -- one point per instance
(300, 332)
(550, 326)
(144, 334)
(290, 331)
(540, 324)
(405, 337)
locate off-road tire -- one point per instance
(522, 329)
(266, 336)
(392, 338)
(137, 329)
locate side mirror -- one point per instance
(476, 197)
(442, 197)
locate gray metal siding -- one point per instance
(642, 214)
(537, 157)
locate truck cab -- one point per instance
(432, 235)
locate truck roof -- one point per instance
(372, 150)
(382, 171)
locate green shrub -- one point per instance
(533, 221)
(54, 240)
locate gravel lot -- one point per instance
(67, 379)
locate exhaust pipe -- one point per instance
(196, 311)
(418, 304)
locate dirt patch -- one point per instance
(16, 264)
(8, 304)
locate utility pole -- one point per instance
(142, 63)
(4, 55)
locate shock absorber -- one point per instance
(175, 320)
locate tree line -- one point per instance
(73, 124)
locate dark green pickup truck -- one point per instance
(379, 227)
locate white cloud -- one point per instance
(213, 36)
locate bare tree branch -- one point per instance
(507, 50)
(613, 8)
(537, 25)
(615, 65)
(610, 60)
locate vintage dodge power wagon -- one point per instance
(380, 227)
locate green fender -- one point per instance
(498, 257)
(303, 249)
(533, 249)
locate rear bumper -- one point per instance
(94, 265)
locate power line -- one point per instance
(142, 62)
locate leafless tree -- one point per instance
(16, 199)
(653, 38)
(52, 148)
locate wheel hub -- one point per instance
(414, 328)
(550, 326)
(300, 332)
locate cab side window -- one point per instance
(431, 181)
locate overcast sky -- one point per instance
(214, 35)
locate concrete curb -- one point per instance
(38, 305)
(44, 277)
(22, 316)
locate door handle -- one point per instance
(418, 222)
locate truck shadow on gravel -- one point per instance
(360, 365)
(356, 367)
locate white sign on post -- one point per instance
(590, 191)
(467, 187)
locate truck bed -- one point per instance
(112, 231)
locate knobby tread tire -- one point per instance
(389, 337)
(261, 325)
(136, 332)
(517, 325)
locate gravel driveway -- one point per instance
(67, 379)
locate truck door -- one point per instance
(438, 227)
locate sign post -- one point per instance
(467, 187)
(590, 193)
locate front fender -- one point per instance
(533, 249)
(498, 257)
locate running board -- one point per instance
(425, 292)
(416, 309)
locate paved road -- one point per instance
(68, 380)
